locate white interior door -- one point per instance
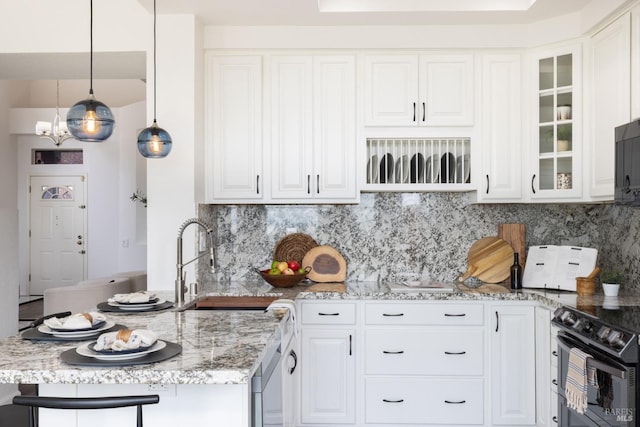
(57, 232)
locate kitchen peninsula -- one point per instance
(222, 349)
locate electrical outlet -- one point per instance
(163, 388)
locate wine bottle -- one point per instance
(516, 273)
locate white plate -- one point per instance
(84, 350)
(76, 334)
(386, 169)
(463, 168)
(372, 170)
(433, 168)
(136, 306)
(402, 169)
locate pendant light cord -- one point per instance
(154, 61)
(91, 49)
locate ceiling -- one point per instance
(306, 12)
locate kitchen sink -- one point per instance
(235, 302)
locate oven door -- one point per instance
(612, 402)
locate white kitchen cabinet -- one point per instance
(544, 368)
(502, 146)
(513, 366)
(233, 129)
(557, 143)
(313, 132)
(610, 106)
(418, 90)
(290, 377)
(327, 363)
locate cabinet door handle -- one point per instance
(414, 111)
(257, 184)
(318, 184)
(393, 401)
(532, 187)
(555, 419)
(455, 315)
(424, 111)
(294, 361)
(392, 352)
(328, 314)
(350, 344)
(308, 184)
(393, 314)
(554, 353)
(627, 184)
(554, 381)
(455, 353)
(487, 184)
(497, 321)
(455, 402)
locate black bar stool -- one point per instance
(35, 402)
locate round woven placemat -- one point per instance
(293, 247)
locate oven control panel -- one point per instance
(597, 333)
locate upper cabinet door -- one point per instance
(391, 90)
(418, 90)
(291, 126)
(335, 144)
(557, 143)
(446, 90)
(611, 103)
(233, 128)
(501, 178)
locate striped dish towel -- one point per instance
(578, 379)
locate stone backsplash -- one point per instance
(392, 236)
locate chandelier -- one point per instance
(56, 131)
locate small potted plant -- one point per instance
(611, 279)
(564, 137)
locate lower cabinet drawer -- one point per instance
(430, 351)
(423, 401)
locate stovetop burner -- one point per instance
(611, 331)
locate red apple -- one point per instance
(294, 265)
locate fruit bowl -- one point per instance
(283, 280)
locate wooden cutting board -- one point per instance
(489, 260)
(327, 264)
(515, 235)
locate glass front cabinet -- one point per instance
(557, 138)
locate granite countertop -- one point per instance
(225, 347)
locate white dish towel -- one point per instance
(578, 379)
(289, 305)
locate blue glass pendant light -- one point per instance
(154, 142)
(90, 120)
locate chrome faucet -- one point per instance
(181, 277)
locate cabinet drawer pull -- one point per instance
(452, 402)
(328, 314)
(455, 315)
(393, 314)
(455, 353)
(392, 352)
(393, 401)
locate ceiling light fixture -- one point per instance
(90, 120)
(56, 131)
(154, 142)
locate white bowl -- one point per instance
(610, 289)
